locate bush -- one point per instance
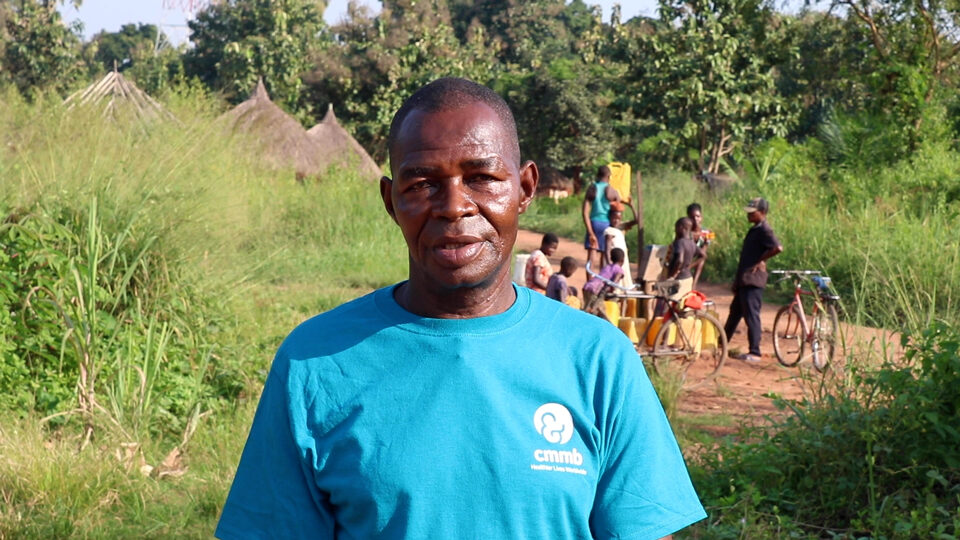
(877, 458)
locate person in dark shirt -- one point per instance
(557, 287)
(759, 245)
(683, 251)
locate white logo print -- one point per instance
(554, 422)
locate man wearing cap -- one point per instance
(759, 245)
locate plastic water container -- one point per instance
(520, 268)
(693, 329)
(628, 325)
(613, 311)
(655, 329)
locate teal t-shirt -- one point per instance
(539, 422)
(600, 208)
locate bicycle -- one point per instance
(797, 337)
(690, 342)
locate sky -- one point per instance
(109, 15)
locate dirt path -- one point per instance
(742, 393)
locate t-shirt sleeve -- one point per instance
(644, 490)
(272, 495)
(770, 240)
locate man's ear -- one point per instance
(386, 194)
(529, 178)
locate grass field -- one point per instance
(166, 265)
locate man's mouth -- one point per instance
(457, 252)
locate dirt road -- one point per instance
(742, 392)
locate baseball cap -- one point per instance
(758, 204)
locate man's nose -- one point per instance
(454, 200)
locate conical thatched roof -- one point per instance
(119, 96)
(282, 140)
(340, 148)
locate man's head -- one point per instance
(695, 213)
(603, 173)
(568, 265)
(682, 227)
(458, 186)
(757, 209)
(452, 93)
(616, 256)
(549, 244)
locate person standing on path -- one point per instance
(759, 245)
(701, 237)
(683, 252)
(614, 238)
(596, 214)
(456, 404)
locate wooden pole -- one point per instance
(638, 198)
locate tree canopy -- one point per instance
(703, 82)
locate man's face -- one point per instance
(755, 217)
(457, 193)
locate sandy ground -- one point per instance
(742, 392)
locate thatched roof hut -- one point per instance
(340, 148)
(281, 139)
(552, 182)
(118, 96)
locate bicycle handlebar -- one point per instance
(627, 292)
(796, 272)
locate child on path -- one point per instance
(557, 287)
(614, 239)
(538, 269)
(683, 251)
(701, 237)
(612, 272)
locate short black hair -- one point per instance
(451, 93)
(568, 265)
(603, 172)
(549, 238)
(684, 222)
(693, 206)
(616, 255)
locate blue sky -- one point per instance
(109, 15)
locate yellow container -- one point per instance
(629, 327)
(693, 329)
(709, 336)
(655, 329)
(632, 307)
(613, 311)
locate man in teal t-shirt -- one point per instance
(434, 408)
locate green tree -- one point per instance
(41, 51)
(376, 62)
(913, 50)
(705, 82)
(238, 41)
(142, 52)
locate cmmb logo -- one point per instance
(554, 422)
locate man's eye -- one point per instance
(482, 178)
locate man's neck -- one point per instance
(428, 300)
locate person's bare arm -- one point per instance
(538, 277)
(762, 265)
(588, 198)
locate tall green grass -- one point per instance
(156, 267)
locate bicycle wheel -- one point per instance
(788, 335)
(826, 332)
(692, 351)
